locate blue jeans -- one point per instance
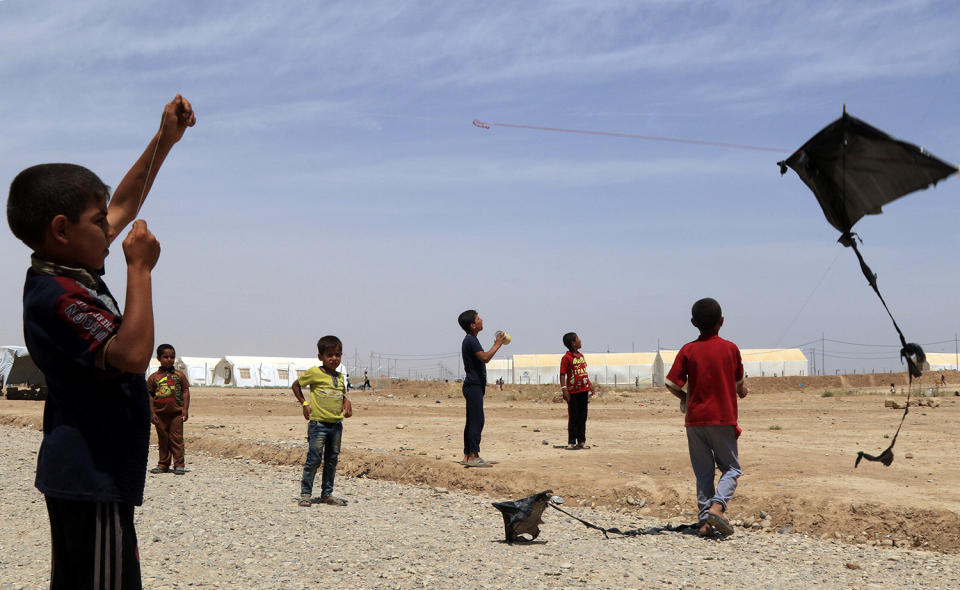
(323, 446)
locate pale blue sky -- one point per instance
(334, 182)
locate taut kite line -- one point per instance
(739, 146)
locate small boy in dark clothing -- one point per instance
(475, 361)
(577, 389)
(96, 419)
(707, 376)
(170, 399)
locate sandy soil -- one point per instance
(801, 436)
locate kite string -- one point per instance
(153, 157)
(809, 297)
(487, 125)
(143, 195)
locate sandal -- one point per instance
(160, 469)
(719, 524)
(333, 501)
(478, 463)
(179, 470)
(304, 501)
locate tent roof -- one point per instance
(199, 360)
(772, 354)
(592, 358)
(270, 360)
(942, 358)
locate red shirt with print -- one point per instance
(708, 370)
(574, 366)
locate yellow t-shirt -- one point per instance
(326, 394)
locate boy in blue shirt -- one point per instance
(475, 361)
(327, 408)
(96, 419)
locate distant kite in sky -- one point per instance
(854, 169)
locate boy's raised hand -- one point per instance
(177, 116)
(140, 248)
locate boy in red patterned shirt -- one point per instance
(577, 389)
(170, 402)
(707, 376)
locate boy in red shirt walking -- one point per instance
(707, 376)
(576, 387)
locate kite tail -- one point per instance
(631, 532)
(910, 351)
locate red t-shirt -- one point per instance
(708, 369)
(574, 367)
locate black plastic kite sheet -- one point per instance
(854, 169)
(522, 517)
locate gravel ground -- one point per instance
(235, 524)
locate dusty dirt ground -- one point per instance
(801, 436)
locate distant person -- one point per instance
(500, 383)
(475, 361)
(326, 409)
(943, 379)
(346, 378)
(92, 463)
(893, 388)
(577, 389)
(170, 401)
(707, 376)
(366, 382)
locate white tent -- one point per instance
(610, 368)
(498, 368)
(261, 371)
(943, 361)
(199, 370)
(757, 362)
(17, 368)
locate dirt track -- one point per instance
(797, 450)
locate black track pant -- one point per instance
(473, 394)
(577, 418)
(94, 546)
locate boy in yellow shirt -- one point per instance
(326, 409)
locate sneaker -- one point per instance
(179, 470)
(160, 469)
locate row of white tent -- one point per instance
(637, 368)
(650, 368)
(242, 371)
(16, 367)
(646, 368)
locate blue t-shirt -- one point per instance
(475, 371)
(96, 420)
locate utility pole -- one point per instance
(823, 363)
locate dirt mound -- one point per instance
(797, 450)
